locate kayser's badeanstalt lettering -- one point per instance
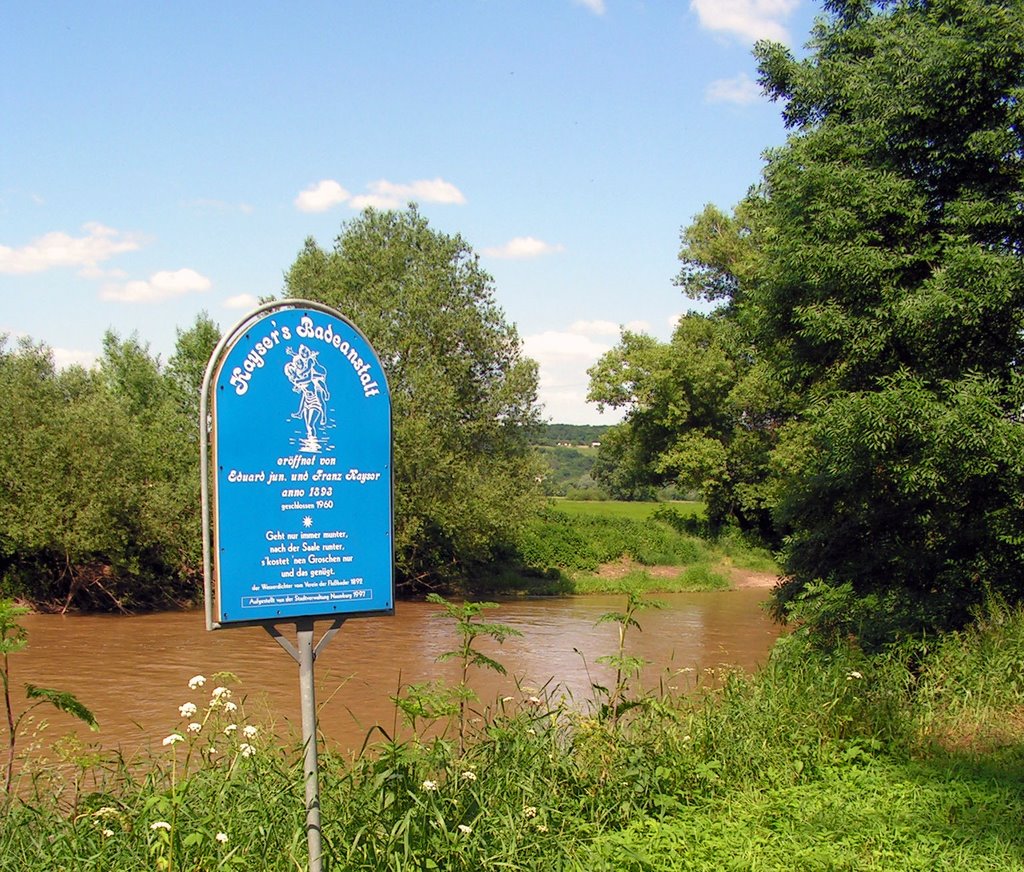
(309, 330)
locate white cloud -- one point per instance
(321, 196)
(383, 194)
(241, 301)
(523, 248)
(563, 357)
(65, 357)
(162, 285)
(740, 90)
(595, 6)
(391, 195)
(560, 345)
(608, 328)
(637, 327)
(58, 249)
(749, 19)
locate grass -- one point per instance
(877, 817)
(822, 761)
(699, 577)
(581, 547)
(632, 511)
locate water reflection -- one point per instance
(133, 671)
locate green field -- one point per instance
(633, 511)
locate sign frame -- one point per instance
(212, 487)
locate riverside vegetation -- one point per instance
(825, 759)
(585, 546)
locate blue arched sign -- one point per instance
(298, 509)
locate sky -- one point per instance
(162, 159)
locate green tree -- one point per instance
(888, 296)
(464, 397)
(187, 366)
(98, 474)
(692, 417)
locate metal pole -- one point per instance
(307, 694)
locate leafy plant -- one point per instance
(627, 666)
(431, 700)
(14, 638)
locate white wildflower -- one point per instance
(249, 731)
(469, 775)
(230, 728)
(230, 707)
(534, 700)
(246, 749)
(196, 681)
(221, 692)
(160, 825)
(853, 676)
(429, 785)
(465, 830)
(174, 738)
(188, 709)
(222, 838)
(194, 727)
(530, 811)
(107, 833)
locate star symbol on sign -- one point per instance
(307, 522)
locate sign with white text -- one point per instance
(301, 470)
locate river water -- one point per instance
(132, 672)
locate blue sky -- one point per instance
(159, 159)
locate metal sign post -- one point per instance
(295, 420)
(304, 653)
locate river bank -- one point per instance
(816, 761)
(130, 669)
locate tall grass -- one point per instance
(822, 760)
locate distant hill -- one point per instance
(570, 434)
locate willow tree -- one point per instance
(464, 396)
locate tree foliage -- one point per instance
(464, 397)
(889, 295)
(99, 478)
(692, 419)
(99, 489)
(874, 283)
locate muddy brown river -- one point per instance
(132, 672)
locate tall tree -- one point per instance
(187, 366)
(889, 295)
(464, 397)
(702, 412)
(679, 421)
